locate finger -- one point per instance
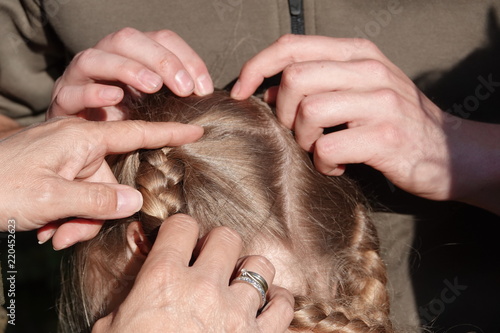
(133, 44)
(101, 65)
(319, 111)
(126, 136)
(74, 231)
(271, 94)
(308, 78)
(279, 311)
(190, 59)
(93, 200)
(291, 49)
(219, 253)
(47, 231)
(71, 100)
(175, 241)
(366, 144)
(247, 293)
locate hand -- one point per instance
(171, 296)
(391, 125)
(57, 170)
(127, 60)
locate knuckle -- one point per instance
(263, 265)
(324, 148)
(292, 75)
(310, 108)
(44, 193)
(286, 39)
(288, 311)
(285, 307)
(389, 135)
(164, 35)
(102, 199)
(365, 44)
(85, 60)
(123, 34)
(227, 235)
(139, 129)
(184, 221)
(376, 67)
(387, 96)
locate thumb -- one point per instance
(101, 201)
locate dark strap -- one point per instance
(297, 16)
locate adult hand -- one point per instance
(125, 61)
(169, 295)
(57, 170)
(391, 125)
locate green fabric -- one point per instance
(419, 36)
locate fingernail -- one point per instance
(149, 79)
(62, 247)
(265, 98)
(43, 237)
(184, 82)
(204, 84)
(111, 94)
(129, 200)
(236, 89)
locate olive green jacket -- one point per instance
(39, 36)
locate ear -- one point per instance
(138, 245)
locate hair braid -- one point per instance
(160, 182)
(361, 302)
(159, 177)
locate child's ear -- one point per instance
(138, 244)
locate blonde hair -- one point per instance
(248, 173)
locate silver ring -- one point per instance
(257, 281)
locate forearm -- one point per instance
(8, 126)
(475, 164)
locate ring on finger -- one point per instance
(257, 281)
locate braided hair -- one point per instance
(248, 173)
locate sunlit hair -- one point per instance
(248, 173)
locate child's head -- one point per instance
(247, 173)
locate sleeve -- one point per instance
(31, 59)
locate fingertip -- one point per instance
(242, 90)
(280, 305)
(74, 231)
(150, 81)
(235, 91)
(111, 94)
(197, 130)
(182, 222)
(184, 83)
(333, 171)
(204, 85)
(45, 233)
(129, 201)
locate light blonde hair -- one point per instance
(248, 173)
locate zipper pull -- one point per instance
(297, 17)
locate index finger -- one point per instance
(175, 242)
(124, 136)
(290, 49)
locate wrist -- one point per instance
(475, 164)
